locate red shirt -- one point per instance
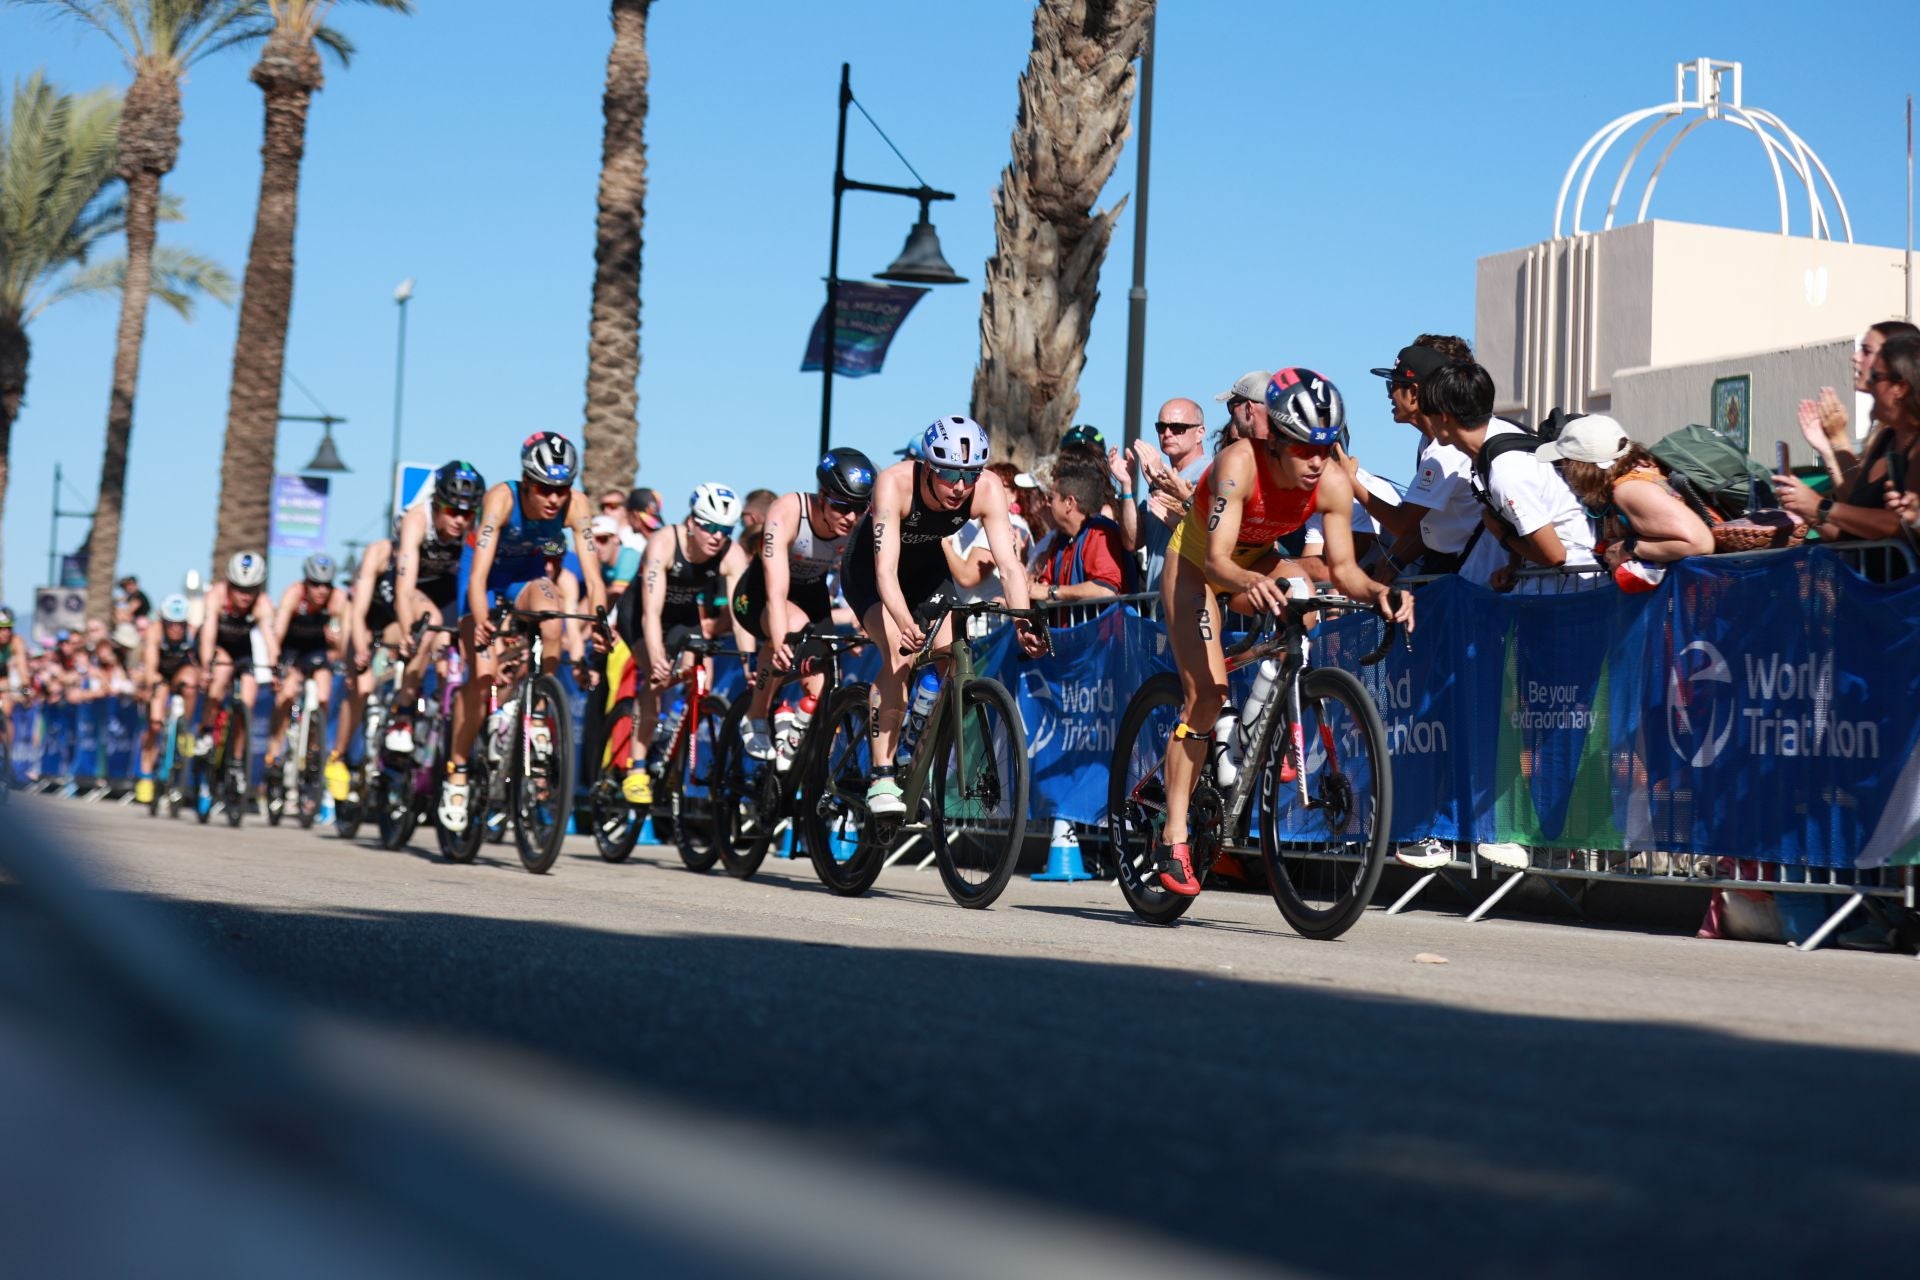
(1100, 553)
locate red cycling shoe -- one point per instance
(1176, 871)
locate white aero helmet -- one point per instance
(955, 442)
(174, 609)
(715, 504)
(247, 570)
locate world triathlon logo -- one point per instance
(1700, 704)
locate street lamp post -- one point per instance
(920, 262)
(327, 456)
(400, 297)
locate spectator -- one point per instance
(1893, 379)
(1643, 518)
(1246, 402)
(970, 559)
(1170, 474)
(1531, 516)
(753, 519)
(1088, 558)
(617, 562)
(643, 517)
(139, 608)
(1039, 511)
(1824, 422)
(1436, 524)
(1085, 442)
(110, 673)
(1369, 542)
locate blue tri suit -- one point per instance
(518, 560)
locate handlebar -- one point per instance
(809, 656)
(974, 609)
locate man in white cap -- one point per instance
(1246, 402)
(618, 562)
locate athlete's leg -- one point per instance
(887, 706)
(1193, 629)
(286, 692)
(156, 721)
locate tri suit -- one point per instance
(1269, 514)
(518, 558)
(809, 561)
(687, 590)
(438, 579)
(305, 648)
(923, 572)
(177, 655)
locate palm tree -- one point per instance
(159, 39)
(288, 74)
(58, 155)
(612, 431)
(1076, 106)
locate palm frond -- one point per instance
(179, 277)
(111, 18)
(57, 156)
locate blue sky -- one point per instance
(1324, 179)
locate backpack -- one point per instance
(1712, 473)
(1499, 446)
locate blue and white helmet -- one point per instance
(174, 609)
(547, 457)
(247, 570)
(715, 504)
(955, 442)
(1304, 407)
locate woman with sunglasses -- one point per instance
(784, 591)
(896, 567)
(518, 518)
(686, 567)
(1256, 491)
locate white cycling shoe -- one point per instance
(453, 817)
(758, 738)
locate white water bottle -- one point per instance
(787, 744)
(1263, 682)
(1226, 764)
(502, 729)
(924, 694)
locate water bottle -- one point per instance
(1263, 682)
(924, 694)
(500, 735)
(787, 745)
(1226, 764)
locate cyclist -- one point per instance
(686, 568)
(310, 631)
(1256, 491)
(784, 591)
(171, 660)
(896, 570)
(232, 609)
(518, 518)
(427, 557)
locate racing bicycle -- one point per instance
(220, 774)
(964, 788)
(301, 770)
(682, 759)
(172, 774)
(1318, 766)
(755, 801)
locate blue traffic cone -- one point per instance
(844, 846)
(1063, 856)
(787, 848)
(646, 835)
(325, 817)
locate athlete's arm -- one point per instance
(1334, 502)
(263, 615)
(990, 508)
(653, 597)
(405, 551)
(280, 619)
(494, 514)
(149, 660)
(212, 606)
(372, 565)
(572, 631)
(579, 520)
(892, 495)
(783, 526)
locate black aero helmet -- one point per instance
(846, 474)
(459, 486)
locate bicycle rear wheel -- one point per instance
(847, 854)
(235, 768)
(542, 790)
(1324, 858)
(979, 793)
(394, 806)
(616, 823)
(746, 799)
(1137, 798)
(690, 787)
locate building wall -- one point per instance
(1651, 402)
(1556, 322)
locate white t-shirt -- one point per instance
(972, 536)
(1362, 522)
(1531, 494)
(1444, 486)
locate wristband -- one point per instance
(1825, 509)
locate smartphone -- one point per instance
(1897, 470)
(1782, 462)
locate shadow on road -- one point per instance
(1331, 1131)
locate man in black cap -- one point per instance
(1435, 525)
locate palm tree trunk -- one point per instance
(149, 146)
(612, 432)
(288, 73)
(1076, 105)
(14, 350)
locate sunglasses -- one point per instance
(549, 490)
(957, 475)
(606, 537)
(844, 507)
(1177, 428)
(1234, 402)
(717, 530)
(1880, 376)
(1310, 450)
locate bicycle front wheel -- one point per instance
(542, 792)
(847, 854)
(616, 824)
(1137, 798)
(979, 792)
(464, 846)
(746, 798)
(1324, 856)
(690, 786)
(235, 769)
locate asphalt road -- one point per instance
(1553, 1099)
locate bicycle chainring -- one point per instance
(1206, 813)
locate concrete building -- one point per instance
(1657, 322)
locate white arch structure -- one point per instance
(1716, 96)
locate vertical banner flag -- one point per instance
(299, 513)
(866, 318)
